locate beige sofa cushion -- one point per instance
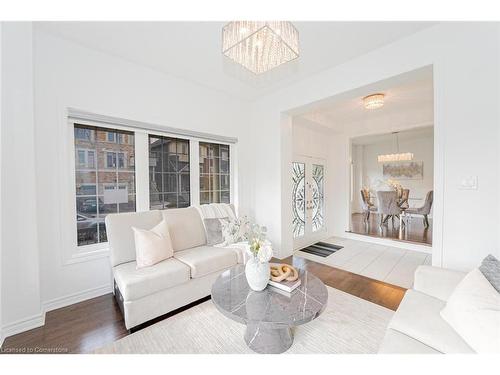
(473, 310)
(206, 259)
(395, 342)
(121, 235)
(137, 283)
(185, 226)
(437, 282)
(239, 249)
(418, 316)
(152, 246)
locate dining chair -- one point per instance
(388, 205)
(367, 206)
(403, 202)
(424, 210)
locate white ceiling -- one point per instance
(408, 103)
(424, 132)
(192, 50)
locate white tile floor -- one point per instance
(389, 264)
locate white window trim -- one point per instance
(72, 253)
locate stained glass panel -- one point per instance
(299, 199)
(318, 197)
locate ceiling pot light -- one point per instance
(260, 45)
(374, 101)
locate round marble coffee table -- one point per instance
(271, 314)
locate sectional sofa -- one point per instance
(146, 293)
(417, 326)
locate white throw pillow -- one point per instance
(473, 311)
(152, 246)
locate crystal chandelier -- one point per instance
(373, 101)
(403, 156)
(260, 45)
(406, 156)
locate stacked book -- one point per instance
(286, 286)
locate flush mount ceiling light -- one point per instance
(260, 45)
(374, 101)
(399, 156)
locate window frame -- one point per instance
(177, 173)
(219, 174)
(72, 253)
(96, 248)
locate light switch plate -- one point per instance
(468, 183)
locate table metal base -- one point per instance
(268, 340)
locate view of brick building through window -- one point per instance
(169, 178)
(214, 173)
(105, 178)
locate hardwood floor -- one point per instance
(375, 291)
(89, 325)
(414, 232)
(77, 328)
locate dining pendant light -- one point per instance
(399, 156)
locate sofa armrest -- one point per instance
(437, 282)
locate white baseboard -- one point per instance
(22, 325)
(38, 320)
(71, 299)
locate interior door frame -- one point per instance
(311, 236)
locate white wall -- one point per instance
(422, 147)
(20, 248)
(52, 74)
(1, 116)
(465, 59)
(310, 139)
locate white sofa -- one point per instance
(146, 293)
(417, 326)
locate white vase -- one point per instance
(257, 274)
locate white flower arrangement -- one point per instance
(259, 247)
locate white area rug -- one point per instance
(348, 325)
(388, 264)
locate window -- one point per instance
(105, 179)
(117, 160)
(111, 136)
(110, 160)
(168, 172)
(105, 176)
(121, 160)
(214, 173)
(83, 134)
(90, 159)
(82, 160)
(85, 158)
